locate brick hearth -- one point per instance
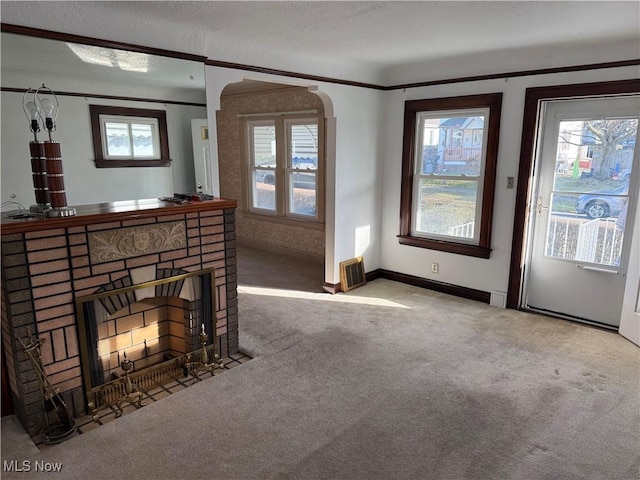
(46, 269)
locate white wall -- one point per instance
(86, 184)
(483, 274)
(356, 192)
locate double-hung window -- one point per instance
(284, 167)
(128, 137)
(448, 179)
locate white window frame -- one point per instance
(291, 170)
(284, 167)
(129, 122)
(418, 176)
(252, 168)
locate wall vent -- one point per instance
(352, 274)
(498, 299)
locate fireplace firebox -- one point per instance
(156, 325)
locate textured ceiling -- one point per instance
(396, 32)
(380, 42)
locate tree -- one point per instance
(610, 134)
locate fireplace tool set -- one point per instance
(58, 428)
(46, 157)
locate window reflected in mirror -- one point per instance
(129, 137)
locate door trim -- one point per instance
(533, 99)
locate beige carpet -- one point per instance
(386, 382)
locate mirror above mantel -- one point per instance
(84, 72)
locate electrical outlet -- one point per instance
(435, 267)
(510, 182)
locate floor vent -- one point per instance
(352, 274)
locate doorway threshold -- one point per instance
(571, 318)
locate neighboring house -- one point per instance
(461, 139)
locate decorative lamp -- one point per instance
(49, 109)
(38, 162)
(55, 178)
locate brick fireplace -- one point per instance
(50, 266)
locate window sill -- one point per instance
(310, 224)
(160, 162)
(451, 247)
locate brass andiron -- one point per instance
(63, 427)
(204, 365)
(131, 393)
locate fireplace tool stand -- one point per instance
(62, 427)
(131, 395)
(204, 365)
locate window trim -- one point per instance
(492, 101)
(281, 214)
(101, 161)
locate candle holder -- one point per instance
(131, 393)
(204, 364)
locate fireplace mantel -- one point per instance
(48, 264)
(113, 211)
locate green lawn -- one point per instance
(447, 204)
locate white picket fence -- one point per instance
(594, 241)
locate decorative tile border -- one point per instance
(128, 242)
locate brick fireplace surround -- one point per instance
(48, 264)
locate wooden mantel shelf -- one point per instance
(113, 211)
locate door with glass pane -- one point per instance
(586, 188)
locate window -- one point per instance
(448, 173)
(284, 169)
(129, 137)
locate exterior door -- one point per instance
(587, 186)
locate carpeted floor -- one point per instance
(387, 381)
